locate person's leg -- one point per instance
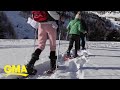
(42, 37)
(52, 38)
(53, 59)
(71, 41)
(83, 40)
(35, 57)
(79, 44)
(77, 40)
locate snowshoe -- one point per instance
(50, 72)
(75, 56)
(31, 70)
(66, 57)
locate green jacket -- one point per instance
(74, 27)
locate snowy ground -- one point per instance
(103, 62)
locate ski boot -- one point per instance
(68, 54)
(30, 66)
(31, 70)
(83, 48)
(75, 54)
(53, 59)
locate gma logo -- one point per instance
(19, 70)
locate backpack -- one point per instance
(40, 16)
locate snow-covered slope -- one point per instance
(19, 23)
(103, 62)
(114, 17)
(24, 30)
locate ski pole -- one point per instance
(35, 35)
(58, 51)
(86, 42)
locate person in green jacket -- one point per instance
(74, 29)
(83, 33)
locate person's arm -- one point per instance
(79, 26)
(84, 26)
(69, 26)
(32, 14)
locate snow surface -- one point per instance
(20, 25)
(103, 61)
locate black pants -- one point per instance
(73, 38)
(82, 37)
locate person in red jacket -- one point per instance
(46, 28)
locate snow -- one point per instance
(24, 30)
(111, 16)
(108, 14)
(20, 25)
(103, 61)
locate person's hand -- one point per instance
(62, 18)
(85, 32)
(78, 12)
(32, 16)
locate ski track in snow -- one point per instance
(102, 62)
(67, 70)
(70, 69)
